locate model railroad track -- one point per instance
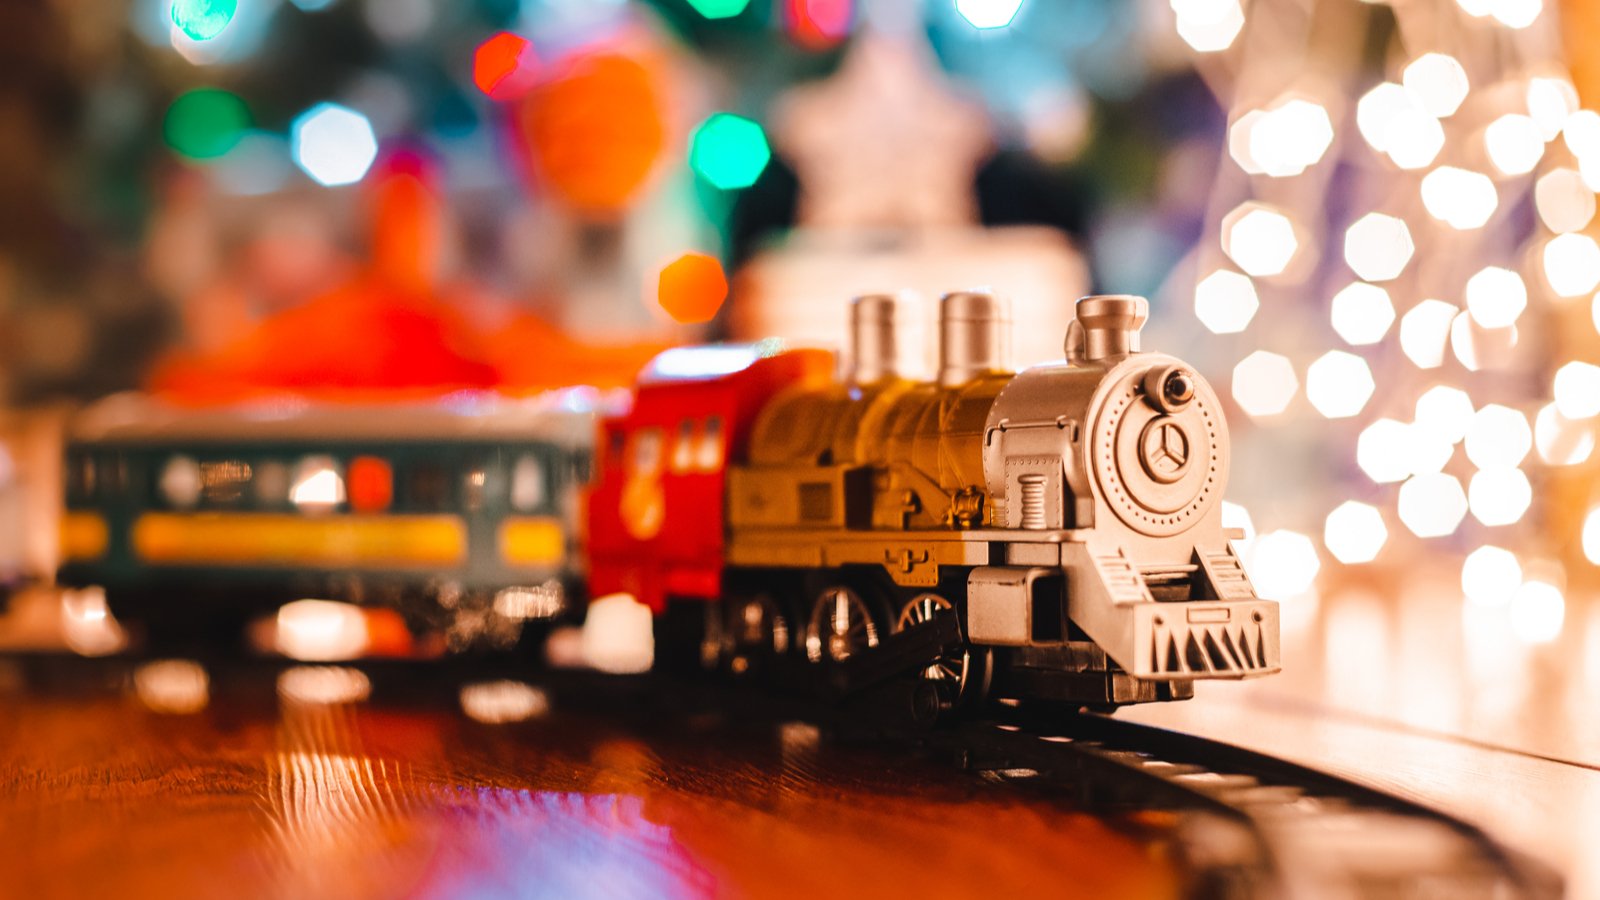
(1252, 825)
(1244, 824)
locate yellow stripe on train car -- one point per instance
(83, 536)
(282, 539)
(532, 541)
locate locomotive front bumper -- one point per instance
(1204, 639)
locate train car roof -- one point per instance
(565, 417)
(707, 362)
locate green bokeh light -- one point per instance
(205, 123)
(719, 9)
(729, 151)
(203, 20)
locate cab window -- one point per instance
(709, 450)
(644, 452)
(527, 483)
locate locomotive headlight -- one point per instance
(180, 482)
(1169, 388)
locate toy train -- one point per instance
(1050, 534)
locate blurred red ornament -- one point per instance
(595, 131)
(692, 288)
(818, 24)
(504, 66)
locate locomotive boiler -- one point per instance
(1066, 518)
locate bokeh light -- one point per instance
(1490, 576)
(1283, 564)
(1538, 610)
(1560, 440)
(1550, 101)
(1354, 532)
(1377, 247)
(729, 151)
(504, 67)
(333, 144)
(719, 9)
(1289, 138)
(1496, 297)
(202, 20)
(1362, 313)
(1425, 330)
(987, 14)
(1225, 301)
(1572, 264)
(817, 24)
(1499, 496)
(1339, 384)
(1576, 388)
(1210, 35)
(1264, 383)
(1514, 143)
(1498, 438)
(1460, 198)
(692, 288)
(205, 123)
(1432, 505)
(1383, 451)
(1438, 81)
(1260, 239)
(1516, 14)
(1564, 202)
(1444, 412)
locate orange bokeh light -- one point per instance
(504, 66)
(595, 131)
(692, 288)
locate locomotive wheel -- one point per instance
(960, 675)
(754, 634)
(841, 626)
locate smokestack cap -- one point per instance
(1106, 328)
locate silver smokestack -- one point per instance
(1106, 328)
(973, 336)
(874, 354)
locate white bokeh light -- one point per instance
(1209, 26)
(1565, 203)
(1383, 451)
(1499, 437)
(1561, 441)
(1581, 133)
(1225, 301)
(1576, 388)
(1377, 247)
(1496, 297)
(1516, 14)
(1490, 576)
(1445, 412)
(1514, 143)
(987, 14)
(1439, 81)
(1259, 239)
(1264, 383)
(1377, 109)
(1572, 264)
(1239, 136)
(1460, 198)
(1362, 313)
(1289, 138)
(333, 144)
(1476, 347)
(1432, 505)
(1339, 384)
(1550, 101)
(1283, 564)
(1425, 330)
(1354, 532)
(1499, 496)
(1538, 611)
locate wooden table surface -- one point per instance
(100, 796)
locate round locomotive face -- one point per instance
(1158, 448)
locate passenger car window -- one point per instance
(527, 483)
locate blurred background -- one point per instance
(1370, 224)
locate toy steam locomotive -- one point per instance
(1052, 534)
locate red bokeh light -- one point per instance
(818, 24)
(692, 288)
(371, 484)
(504, 66)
